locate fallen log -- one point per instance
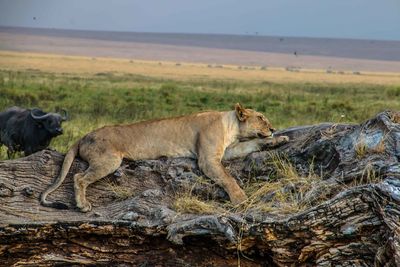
(338, 205)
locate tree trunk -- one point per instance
(350, 215)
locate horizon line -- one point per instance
(254, 34)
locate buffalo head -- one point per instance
(49, 121)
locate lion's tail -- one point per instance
(69, 158)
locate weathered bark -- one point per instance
(356, 224)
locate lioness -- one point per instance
(207, 136)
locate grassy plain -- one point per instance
(186, 71)
(99, 91)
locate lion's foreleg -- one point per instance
(214, 170)
(242, 149)
(275, 141)
(210, 152)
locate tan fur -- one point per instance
(207, 136)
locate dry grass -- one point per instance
(329, 132)
(379, 148)
(185, 71)
(120, 192)
(285, 193)
(361, 149)
(188, 202)
(368, 176)
(192, 204)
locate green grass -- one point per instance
(109, 98)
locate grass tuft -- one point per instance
(186, 201)
(120, 192)
(192, 204)
(379, 148)
(368, 176)
(285, 193)
(361, 149)
(329, 132)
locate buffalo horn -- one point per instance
(39, 117)
(65, 116)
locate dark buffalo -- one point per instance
(28, 130)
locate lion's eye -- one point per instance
(260, 118)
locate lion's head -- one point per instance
(252, 124)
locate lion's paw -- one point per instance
(239, 197)
(85, 207)
(283, 139)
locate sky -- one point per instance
(357, 19)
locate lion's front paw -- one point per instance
(283, 139)
(238, 198)
(85, 207)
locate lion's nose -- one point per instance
(272, 130)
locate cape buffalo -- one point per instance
(28, 130)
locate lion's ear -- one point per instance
(240, 112)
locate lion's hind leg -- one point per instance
(97, 169)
